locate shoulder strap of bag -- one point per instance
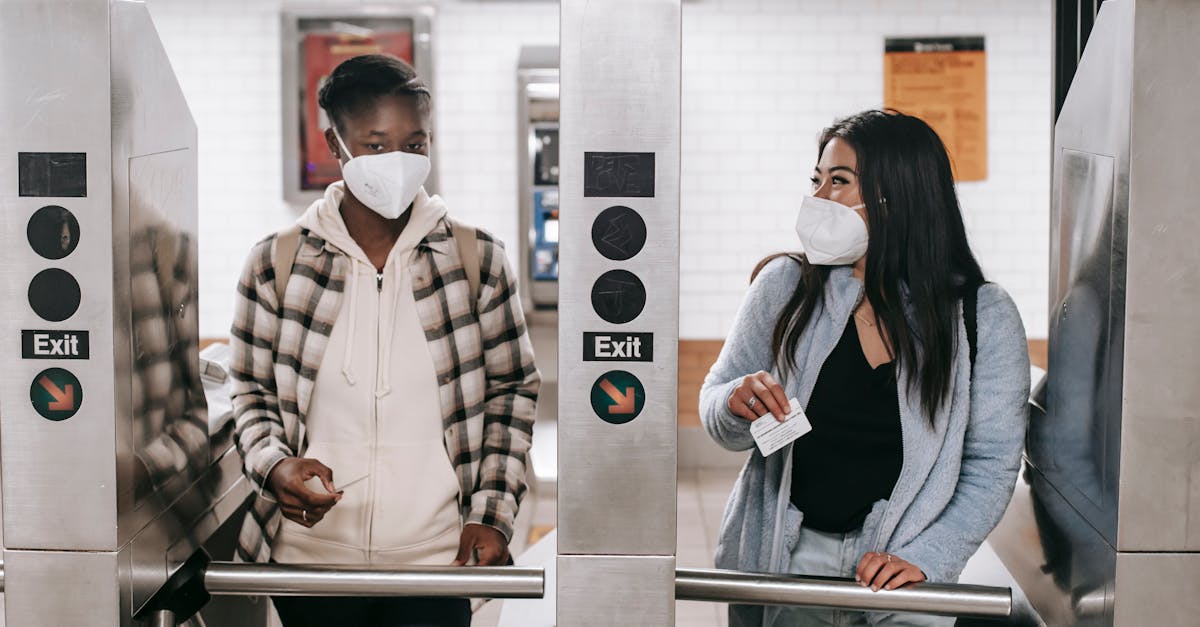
(769, 258)
(287, 242)
(970, 307)
(465, 239)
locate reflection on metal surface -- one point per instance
(163, 618)
(106, 503)
(724, 586)
(168, 409)
(1105, 528)
(1077, 446)
(1092, 604)
(1052, 551)
(228, 578)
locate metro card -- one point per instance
(772, 435)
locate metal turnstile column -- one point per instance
(619, 311)
(163, 618)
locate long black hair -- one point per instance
(917, 242)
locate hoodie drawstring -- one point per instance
(348, 356)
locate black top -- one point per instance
(852, 456)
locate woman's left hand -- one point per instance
(884, 571)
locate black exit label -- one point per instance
(618, 346)
(54, 345)
(618, 174)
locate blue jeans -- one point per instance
(834, 555)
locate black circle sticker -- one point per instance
(618, 296)
(53, 232)
(618, 397)
(619, 233)
(54, 295)
(56, 394)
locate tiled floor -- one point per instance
(702, 494)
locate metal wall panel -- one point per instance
(1160, 443)
(620, 93)
(1157, 589)
(106, 501)
(616, 591)
(60, 588)
(1106, 528)
(619, 278)
(55, 72)
(1077, 446)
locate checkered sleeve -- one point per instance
(511, 397)
(258, 426)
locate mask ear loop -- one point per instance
(341, 144)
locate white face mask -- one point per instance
(832, 233)
(386, 182)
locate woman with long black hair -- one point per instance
(913, 371)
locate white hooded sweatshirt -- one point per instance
(375, 414)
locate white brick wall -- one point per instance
(761, 78)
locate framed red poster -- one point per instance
(316, 40)
(324, 51)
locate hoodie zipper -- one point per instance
(375, 417)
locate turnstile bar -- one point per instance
(724, 586)
(229, 578)
(163, 618)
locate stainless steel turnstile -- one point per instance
(619, 311)
(1105, 526)
(112, 477)
(115, 478)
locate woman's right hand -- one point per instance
(298, 503)
(758, 394)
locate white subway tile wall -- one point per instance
(761, 78)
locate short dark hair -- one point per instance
(358, 82)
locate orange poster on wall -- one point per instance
(323, 51)
(943, 80)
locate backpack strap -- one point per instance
(769, 258)
(287, 243)
(466, 239)
(970, 314)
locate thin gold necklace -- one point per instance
(869, 322)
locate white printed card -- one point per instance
(772, 435)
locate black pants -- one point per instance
(372, 612)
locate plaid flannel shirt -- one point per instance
(487, 382)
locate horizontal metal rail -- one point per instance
(725, 586)
(229, 578)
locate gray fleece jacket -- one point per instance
(957, 475)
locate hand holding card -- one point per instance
(772, 435)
